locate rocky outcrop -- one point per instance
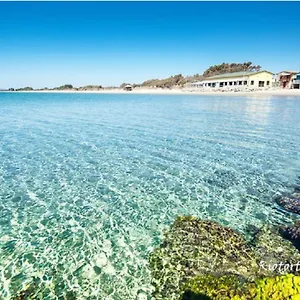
(197, 254)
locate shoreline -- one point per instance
(277, 92)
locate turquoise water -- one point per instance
(88, 182)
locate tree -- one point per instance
(64, 87)
(231, 68)
(27, 88)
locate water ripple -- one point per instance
(89, 182)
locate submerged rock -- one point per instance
(291, 203)
(194, 247)
(273, 252)
(292, 233)
(29, 291)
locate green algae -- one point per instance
(279, 287)
(231, 288)
(219, 288)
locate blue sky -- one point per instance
(54, 43)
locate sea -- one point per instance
(89, 182)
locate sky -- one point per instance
(47, 44)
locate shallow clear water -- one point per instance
(88, 182)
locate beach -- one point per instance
(269, 92)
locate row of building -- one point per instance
(260, 79)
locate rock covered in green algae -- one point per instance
(211, 287)
(279, 287)
(271, 249)
(230, 288)
(194, 247)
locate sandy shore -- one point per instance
(270, 92)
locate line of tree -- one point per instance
(231, 68)
(24, 89)
(64, 87)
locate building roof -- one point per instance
(294, 72)
(235, 74)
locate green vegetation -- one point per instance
(64, 87)
(90, 88)
(230, 68)
(27, 88)
(173, 81)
